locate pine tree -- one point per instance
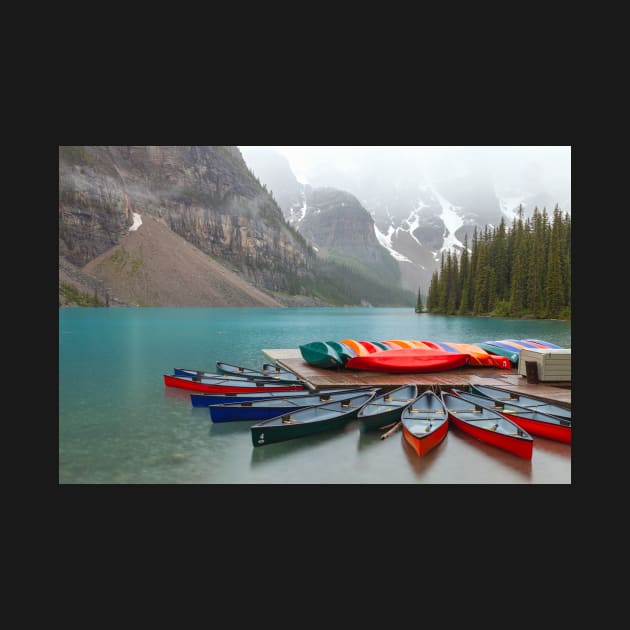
(524, 269)
(419, 307)
(433, 293)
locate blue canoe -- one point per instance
(203, 400)
(270, 408)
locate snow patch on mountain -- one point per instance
(137, 222)
(386, 241)
(296, 214)
(451, 220)
(413, 221)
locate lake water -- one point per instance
(118, 423)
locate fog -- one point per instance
(513, 170)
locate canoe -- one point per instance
(308, 421)
(222, 384)
(320, 354)
(531, 402)
(512, 354)
(534, 422)
(370, 347)
(408, 360)
(203, 400)
(479, 356)
(445, 346)
(391, 345)
(430, 344)
(544, 344)
(424, 422)
(510, 344)
(269, 371)
(488, 426)
(386, 408)
(403, 343)
(257, 375)
(520, 343)
(342, 350)
(356, 347)
(272, 407)
(381, 345)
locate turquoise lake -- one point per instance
(119, 424)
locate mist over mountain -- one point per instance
(423, 200)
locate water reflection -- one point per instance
(228, 428)
(270, 452)
(512, 462)
(176, 393)
(552, 446)
(421, 464)
(367, 439)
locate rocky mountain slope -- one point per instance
(206, 195)
(192, 226)
(154, 266)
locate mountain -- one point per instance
(188, 225)
(154, 266)
(419, 209)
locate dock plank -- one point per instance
(460, 378)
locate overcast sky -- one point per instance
(550, 165)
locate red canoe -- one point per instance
(488, 426)
(221, 386)
(408, 360)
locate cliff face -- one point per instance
(335, 220)
(205, 194)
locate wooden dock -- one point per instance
(461, 378)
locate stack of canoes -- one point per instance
(284, 409)
(510, 348)
(415, 355)
(235, 379)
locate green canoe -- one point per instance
(342, 350)
(321, 354)
(502, 352)
(316, 419)
(386, 408)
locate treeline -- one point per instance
(521, 271)
(343, 280)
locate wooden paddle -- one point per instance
(391, 431)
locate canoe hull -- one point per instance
(517, 446)
(268, 372)
(371, 423)
(273, 434)
(202, 400)
(408, 361)
(320, 354)
(422, 445)
(195, 386)
(542, 429)
(523, 400)
(242, 414)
